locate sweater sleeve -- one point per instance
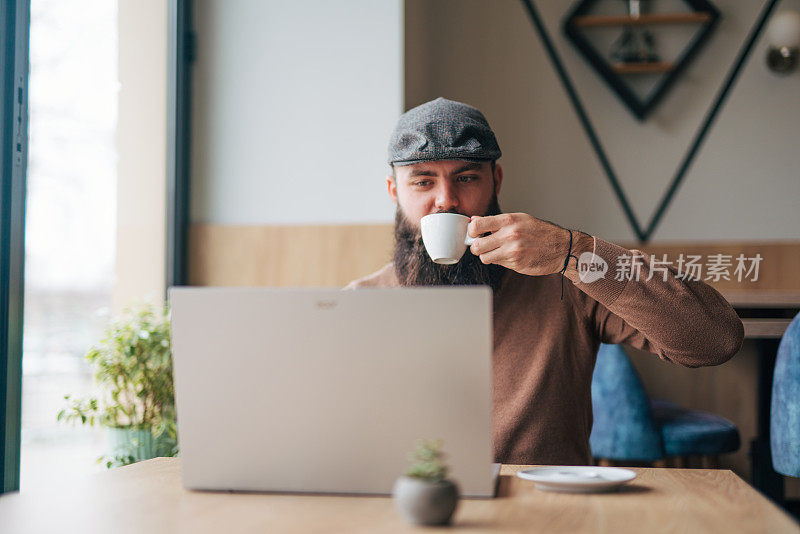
(648, 306)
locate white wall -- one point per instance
(293, 106)
(744, 184)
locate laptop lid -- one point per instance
(324, 390)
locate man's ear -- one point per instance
(391, 187)
(498, 178)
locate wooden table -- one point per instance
(148, 497)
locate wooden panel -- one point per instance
(764, 299)
(286, 256)
(148, 497)
(333, 255)
(779, 271)
(765, 328)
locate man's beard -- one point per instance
(415, 268)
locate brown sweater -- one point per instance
(545, 348)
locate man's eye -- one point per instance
(467, 178)
(422, 183)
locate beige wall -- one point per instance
(141, 145)
(744, 185)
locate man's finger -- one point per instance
(492, 223)
(493, 256)
(482, 245)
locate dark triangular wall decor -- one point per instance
(644, 234)
(641, 108)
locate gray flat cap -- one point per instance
(442, 129)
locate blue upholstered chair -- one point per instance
(785, 412)
(623, 427)
(693, 433)
(630, 427)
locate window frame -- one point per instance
(181, 54)
(14, 57)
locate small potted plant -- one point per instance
(132, 367)
(424, 496)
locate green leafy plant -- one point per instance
(132, 367)
(117, 460)
(427, 461)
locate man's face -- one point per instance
(444, 186)
(436, 187)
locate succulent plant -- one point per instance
(427, 461)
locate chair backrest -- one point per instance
(785, 410)
(623, 426)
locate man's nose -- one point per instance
(446, 198)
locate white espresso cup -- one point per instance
(445, 236)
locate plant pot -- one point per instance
(425, 503)
(138, 444)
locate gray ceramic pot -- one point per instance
(425, 503)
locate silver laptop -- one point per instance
(324, 390)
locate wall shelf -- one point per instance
(642, 67)
(641, 20)
(623, 76)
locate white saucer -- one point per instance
(578, 479)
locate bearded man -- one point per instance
(549, 319)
